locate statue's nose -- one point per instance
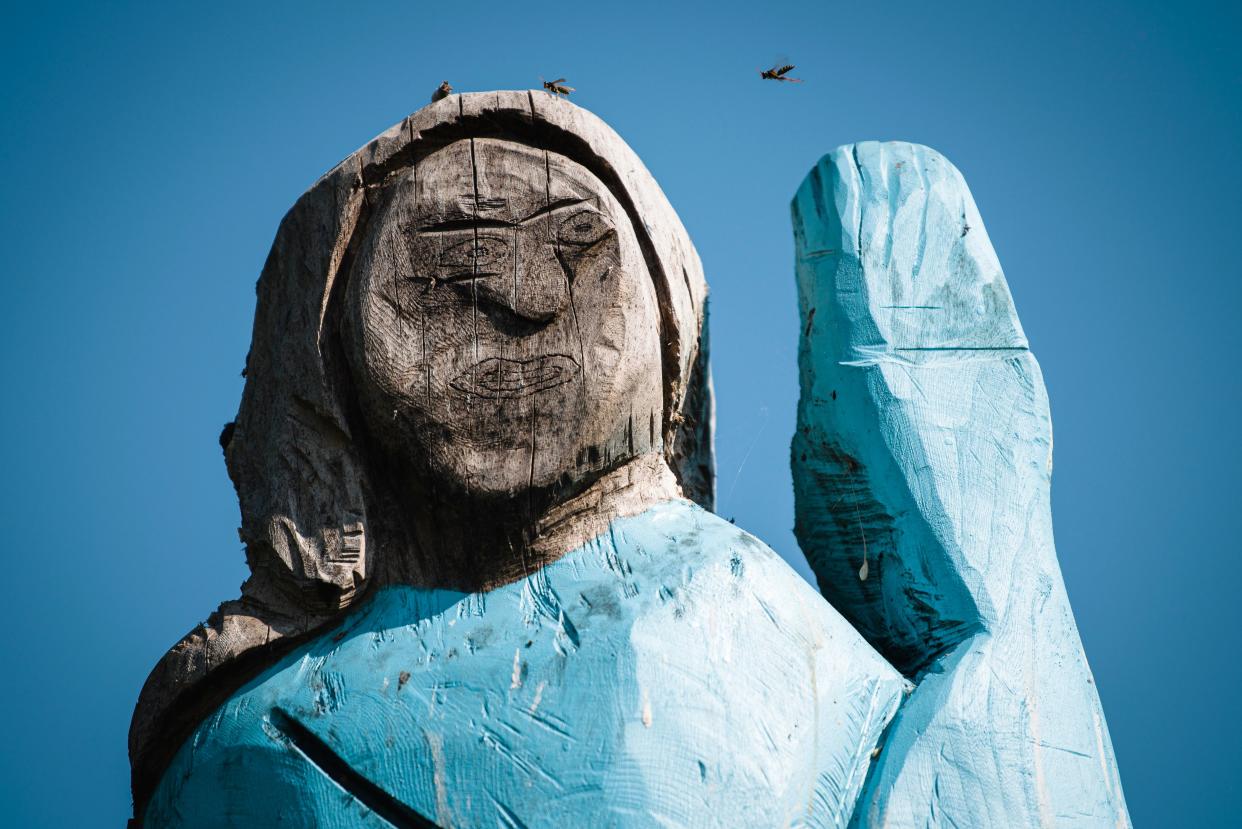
(542, 289)
(539, 289)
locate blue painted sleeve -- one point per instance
(922, 464)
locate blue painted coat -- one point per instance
(673, 672)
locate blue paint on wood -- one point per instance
(922, 465)
(673, 672)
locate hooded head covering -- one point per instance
(307, 545)
(293, 426)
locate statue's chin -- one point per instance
(506, 475)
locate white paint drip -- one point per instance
(515, 681)
(538, 696)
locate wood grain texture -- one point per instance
(404, 421)
(922, 465)
(477, 394)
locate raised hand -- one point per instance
(922, 464)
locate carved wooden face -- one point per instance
(501, 324)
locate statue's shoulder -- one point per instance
(719, 571)
(680, 543)
(200, 672)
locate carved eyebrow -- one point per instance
(559, 204)
(451, 225)
(462, 224)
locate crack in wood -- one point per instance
(568, 273)
(321, 755)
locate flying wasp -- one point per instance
(777, 73)
(557, 87)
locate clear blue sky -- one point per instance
(150, 153)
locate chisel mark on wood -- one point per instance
(344, 775)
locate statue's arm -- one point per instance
(922, 464)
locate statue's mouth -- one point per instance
(498, 379)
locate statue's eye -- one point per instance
(475, 254)
(584, 228)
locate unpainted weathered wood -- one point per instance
(501, 329)
(485, 316)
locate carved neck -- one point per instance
(472, 545)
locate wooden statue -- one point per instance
(474, 461)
